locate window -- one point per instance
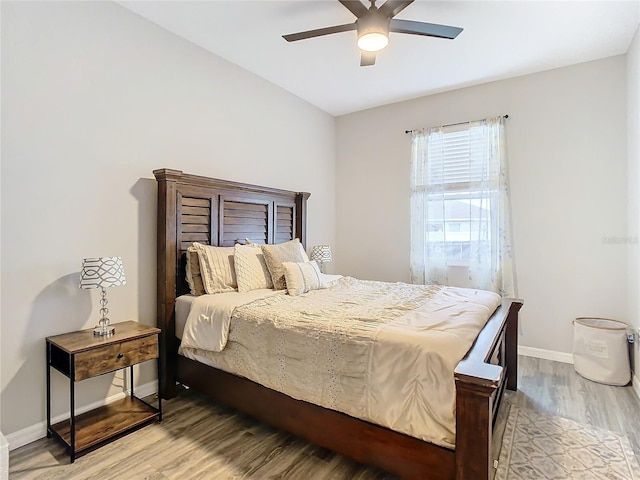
(459, 200)
(454, 185)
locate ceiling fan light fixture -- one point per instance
(373, 41)
(373, 31)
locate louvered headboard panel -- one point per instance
(215, 212)
(242, 220)
(284, 222)
(194, 220)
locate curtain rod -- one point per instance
(459, 123)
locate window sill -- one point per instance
(458, 263)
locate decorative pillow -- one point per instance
(302, 277)
(251, 270)
(275, 255)
(216, 268)
(305, 257)
(194, 278)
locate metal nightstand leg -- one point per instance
(160, 385)
(48, 357)
(72, 418)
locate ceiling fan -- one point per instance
(373, 25)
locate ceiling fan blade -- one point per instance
(393, 7)
(319, 32)
(355, 7)
(367, 59)
(421, 28)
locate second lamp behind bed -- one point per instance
(321, 254)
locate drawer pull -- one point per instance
(120, 355)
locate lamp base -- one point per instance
(107, 330)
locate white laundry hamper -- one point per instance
(600, 350)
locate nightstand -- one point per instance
(81, 355)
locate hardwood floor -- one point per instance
(201, 440)
(556, 389)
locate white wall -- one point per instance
(93, 99)
(566, 140)
(633, 185)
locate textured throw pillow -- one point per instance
(275, 255)
(305, 257)
(194, 278)
(302, 277)
(216, 268)
(251, 270)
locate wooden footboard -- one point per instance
(481, 377)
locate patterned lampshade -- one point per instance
(321, 253)
(102, 272)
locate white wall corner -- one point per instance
(39, 430)
(545, 354)
(4, 458)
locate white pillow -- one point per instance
(302, 277)
(275, 255)
(251, 270)
(216, 268)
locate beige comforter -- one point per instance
(381, 352)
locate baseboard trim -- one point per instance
(39, 430)
(545, 354)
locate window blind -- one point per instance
(457, 159)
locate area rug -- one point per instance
(536, 446)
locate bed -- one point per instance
(199, 209)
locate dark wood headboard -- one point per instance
(217, 212)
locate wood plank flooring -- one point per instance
(198, 439)
(556, 389)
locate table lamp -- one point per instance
(321, 254)
(101, 273)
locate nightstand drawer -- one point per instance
(115, 356)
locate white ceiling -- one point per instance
(501, 39)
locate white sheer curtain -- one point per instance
(460, 207)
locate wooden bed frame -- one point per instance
(217, 212)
